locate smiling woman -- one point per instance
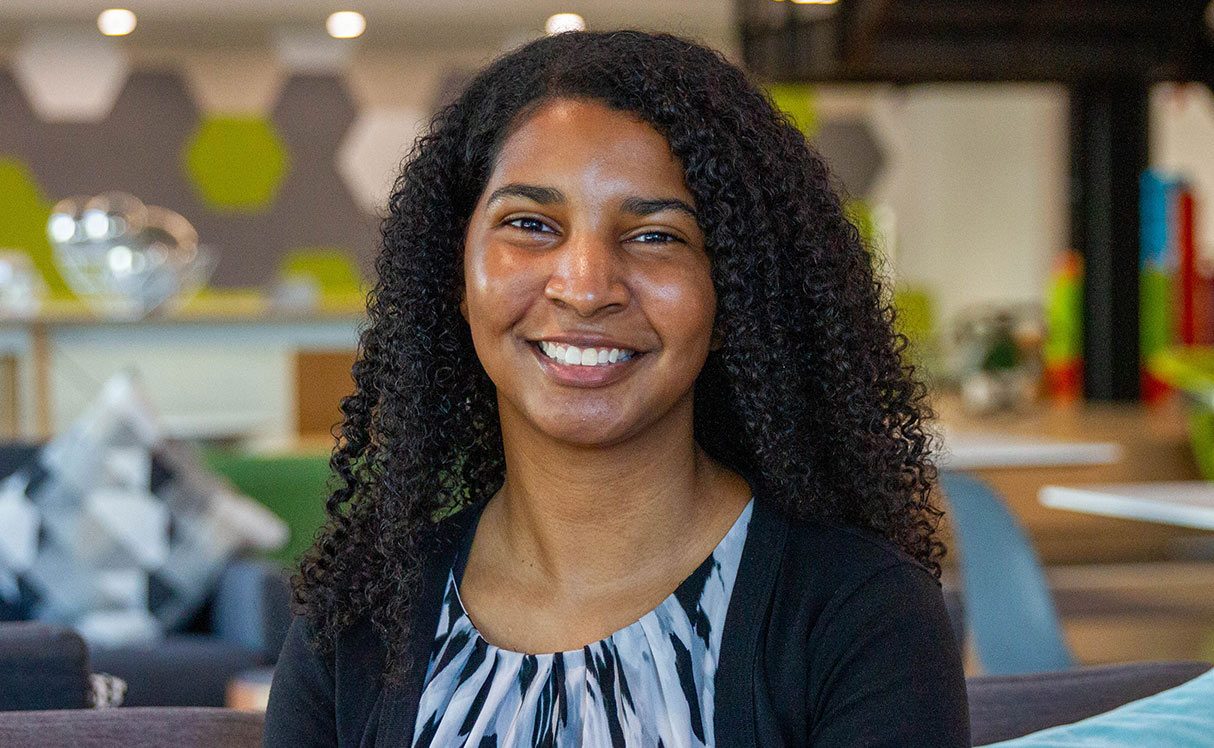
(585, 243)
(632, 459)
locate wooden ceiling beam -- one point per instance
(860, 24)
(872, 40)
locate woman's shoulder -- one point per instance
(829, 556)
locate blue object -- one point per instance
(1008, 609)
(1180, 716)
(1156, 193)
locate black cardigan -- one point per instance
(832, 638)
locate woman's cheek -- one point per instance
(505, 284)
(684, 300)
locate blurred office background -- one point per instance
(1036, 180)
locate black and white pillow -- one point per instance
(117, 531)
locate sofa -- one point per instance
(241, 627)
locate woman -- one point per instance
(632, 457)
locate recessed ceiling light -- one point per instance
(116, 22)
(561, 22)
(346, 24)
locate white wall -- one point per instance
(975, 183)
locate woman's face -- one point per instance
(586, 284)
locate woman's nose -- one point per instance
(589, 276)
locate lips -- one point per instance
(588, 366)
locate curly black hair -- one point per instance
(809, 397)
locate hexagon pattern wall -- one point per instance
(236, 163)
(140, 147)
(257, 181)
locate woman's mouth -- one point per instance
(584, 366)
(571, 355)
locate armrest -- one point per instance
(43, 666)
(252, 606)
(1010, 706)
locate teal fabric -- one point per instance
(1181, 716)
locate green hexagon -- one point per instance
(236, 163)
(799, 102)
(23, 223)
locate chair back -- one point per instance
(1008, 608)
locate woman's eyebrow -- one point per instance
(639, 206)
(535, 193)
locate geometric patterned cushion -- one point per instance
(117, 531)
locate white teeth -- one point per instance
(574, 356)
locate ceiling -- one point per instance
(389, 22)
(915, 41)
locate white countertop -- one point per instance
(1185, 503)
(977, 450)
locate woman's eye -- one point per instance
(529, 224)
(655, 237)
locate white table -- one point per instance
(975, 450)
(1184, 503)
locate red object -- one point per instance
(1205, 309)
(1064, 379)
(1152, 389)
(1187, 275)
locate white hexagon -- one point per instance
(370, 154)
(236, 82)
(70, 76)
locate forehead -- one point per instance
(582, 141)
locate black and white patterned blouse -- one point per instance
(648, 684)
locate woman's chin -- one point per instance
(587, 434)
(593, 429)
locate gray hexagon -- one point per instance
(853, 151)
(138, 149)
(314, 208)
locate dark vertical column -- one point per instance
(1109, 123)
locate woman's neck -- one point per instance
(576, 517)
